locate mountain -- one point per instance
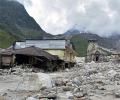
(71, 31)
(16, 24)
(80, 39)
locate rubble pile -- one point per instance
(89, 81)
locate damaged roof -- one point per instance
(31, 51)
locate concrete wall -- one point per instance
(63, 54)
(59, 53)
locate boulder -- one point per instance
(45, 80)
(117, 94)
(69, 95)
(112, 73)
(66, 88)
(31, 98)
(35, 82)
(76, 81)
(79, 95)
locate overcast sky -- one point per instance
(57, 16)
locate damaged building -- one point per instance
(96, 53)
(58, 47)
(29, 56)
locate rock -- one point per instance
(67, 70)
(79, 95)
(35, 82)
(43, 88)
(52, 96)
(92, 71)
(61, 82)
(101, 88)
(112, 73)
(58, 82)
(45, 80)
(30, 98)
(69, 95)
(66, 88)
(117, 94)
(117, 77)
(76, 81)
(69, 84)
(76, 90)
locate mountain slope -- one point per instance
(6, 39)
(80, 45)
(15, 21)
(80, 39)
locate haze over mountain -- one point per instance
(15, 23)
(58, 16)
(108, 42)
(80, 40)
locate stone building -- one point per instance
(95, 52)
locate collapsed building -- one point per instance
(49, 54)
(29, 56)
(96, 53)
(58, 47)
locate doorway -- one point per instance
(97, 58)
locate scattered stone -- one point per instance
(101, 88)
(76, 84)
(52, 96)
(43, 88)
(112, 73)
(30, 98)
(69, 84)
(76, 81)
(76, 90)
(66, 88)
(45, 80)
(69, 95)
(67, 70)
(117, 94)
(79, 95)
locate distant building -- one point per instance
(62, 48)
(95, 52)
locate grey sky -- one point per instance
(57, 16)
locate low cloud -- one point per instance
(57, 16)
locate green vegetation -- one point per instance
(32, 34)
(16, 24)
(80, 45)
(6, 39)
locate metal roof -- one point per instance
(43, 44)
